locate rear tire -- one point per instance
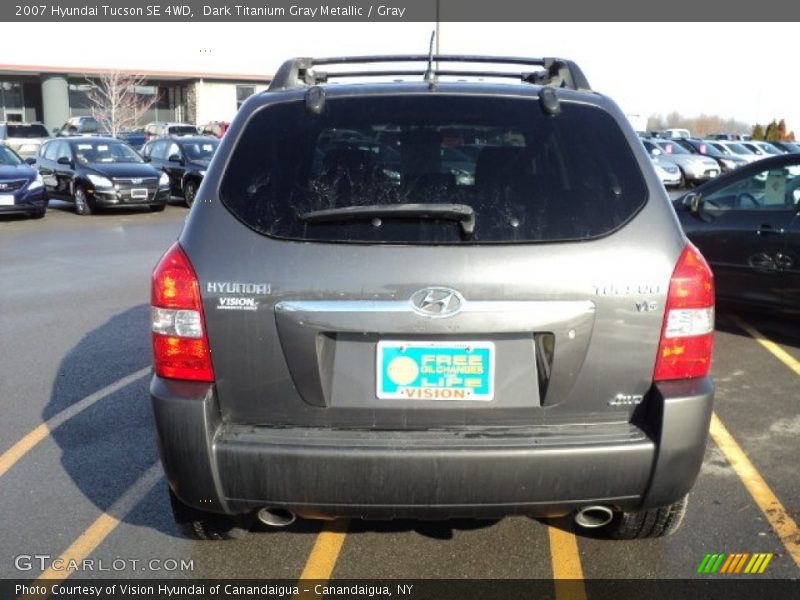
(82, 204)
(652, 523)
(189, 192)
(202, 525)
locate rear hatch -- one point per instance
(26, 139)
(432, 260)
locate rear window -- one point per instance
(739, 149)
(522, 175)
(673, 148)
(8, 157)
(200, 150)
(27, 131)
(182, 130)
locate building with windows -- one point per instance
(52, 95)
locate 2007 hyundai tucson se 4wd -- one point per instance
(436, 298)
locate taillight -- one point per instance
(687, 336)
(180, 345)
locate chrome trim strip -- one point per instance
(404, 306)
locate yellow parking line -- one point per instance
(326, 550)
(783, 524)
(566, 561)
(21, 448)
(778, 352)
(29, 441)
(98, 531)
(94, 535)
(322, 559)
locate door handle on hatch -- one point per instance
(783, 261)
(767, 229)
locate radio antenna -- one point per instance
(430, 75)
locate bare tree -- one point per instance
(700, 125)
(115, 101)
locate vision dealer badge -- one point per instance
(236, 303)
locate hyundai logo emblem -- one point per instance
(436, 302)
(136, 181)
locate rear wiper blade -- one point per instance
(462, 213)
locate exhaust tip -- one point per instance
(276, 517)
(592, 517)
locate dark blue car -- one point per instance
(21, 186)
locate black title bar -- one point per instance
(396, 11)
(707, 588)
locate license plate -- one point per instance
(6, 200)
(435, 370)
(139, 194)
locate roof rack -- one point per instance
(556, 72)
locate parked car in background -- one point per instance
(694, 168)
(727, 162)
(762, 148)
(21, 186)
(215, 128)
(787, 147)
(184, 160)
(736, 149)
(668, 172)
(23, 138)
(81, 126)
(135, 137)
(731, 137)
(97, 171)
(746, 225)
(676, 134)
(158, 129)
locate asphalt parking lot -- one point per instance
(80, 477)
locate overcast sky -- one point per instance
(741, 70)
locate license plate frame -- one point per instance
(7, 200)
(465, 371)
(139, 194)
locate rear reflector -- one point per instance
(687, 336)
(180, 323)
(180, 345)
(684, 322)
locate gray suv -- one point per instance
(360, 326)
(24, 138)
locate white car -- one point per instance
(763, 149)
(694, 168)
(735, 149)
(766, 150)
(668, 172)
(676, 134)
(24, 138)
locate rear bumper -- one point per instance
(538, 471)
(703, 173)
